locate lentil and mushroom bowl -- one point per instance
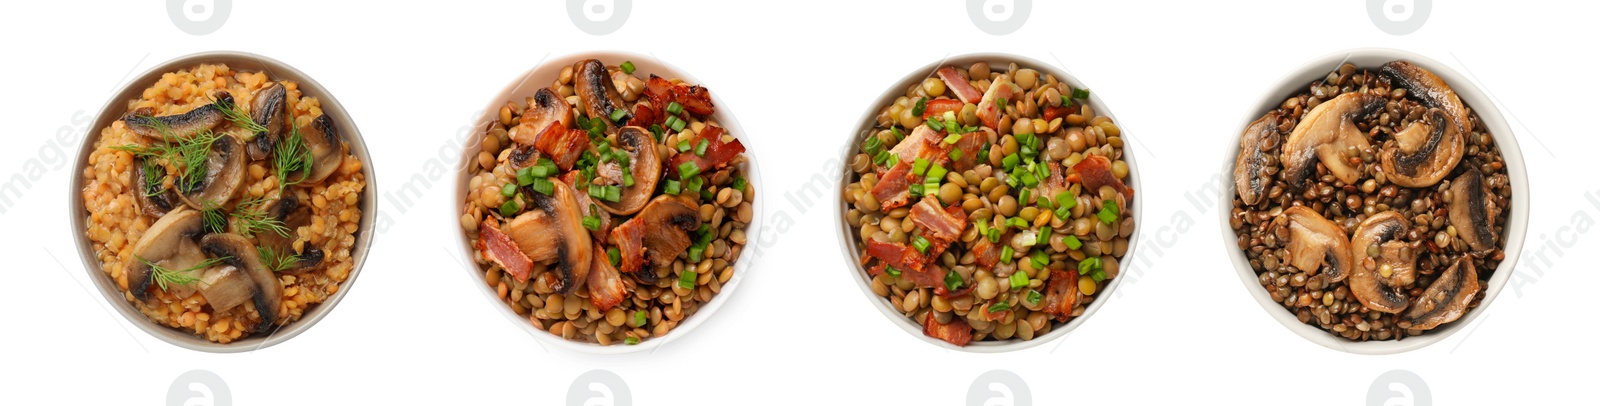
(1374, 203)
(611, 204)
(988, 200)
(218, 200)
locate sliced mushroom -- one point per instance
(1439, 145)
(654, 238)
(551, 232)
(1248, 177)
(1447, 298)
(1327, 132)
(606, 289)
(546, 108)
(170, 244)
(1429, 89)
(1315, 241)
(224, 175)
(293, 215)
(270, 109)
(597, 93)
(1470, 211)
(179, 126)
(226, 287)
(155, 199)
(238, 252)
(1386, 266)
(326, 147)
(645, 166)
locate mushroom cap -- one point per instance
(1447, 298)
(645, 166)
(224, 174)
(668, 221)
(1326, 132)
(170, 243)
(1248, 177)
(1313, 241)
(238, 252)
(1376, 246)
(183, 125)
(1429, 89)
(597, 94)
(1470, 211)
(293, 215)
(226, 287)
(606, 288)
(1438, 147)
(551, 232)
(162, 200)
(326, 146)
(545, 108)
(270, 109)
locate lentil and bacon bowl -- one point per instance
(1374, 203)
(988, 201)
(611, 204)
(221, 202)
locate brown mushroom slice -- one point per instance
(238, 252)
(170, 244)
(1439, 145)
(1249, 178)
(1386, 267)
(224, 175)
(551, 232)
(1326, 133)
(606, 289)
(269, 108)
(1429, 89)
(155, 199)
(1469, 211)
(1315, 241)
(645, 166)
(654, 238)
(1447, 298)
(293, 215)
(177, 126)
(546, 108)
(326, 146)
(226, 287)
(597, 94)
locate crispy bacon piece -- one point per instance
(561, 145)
(1053, 112)
(893, 190)
(1054, 184)
(605, 285)
(1095, 171)
(958, 85)
(937, 107)
(958, 332)
(1062, 294)
(931, 277)
(900, 256)
(718, 153)
(942, 223)
(970, 145)
(629, 238)
(923, 143)
(643, 116)
(661, 92)
(990, 110)
(986, 253)
(498, 247)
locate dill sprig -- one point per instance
(192, 153)
(237, 116)
(277, 261)
(153, 174)
(289, 156)
(164, 277)
(212, 218)
(250, 216)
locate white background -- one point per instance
(1180, 75)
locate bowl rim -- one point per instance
(115, 107)
(524, 85)
(1488, 113)
(846, 237)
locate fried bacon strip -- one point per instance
(958, 332)
(605, 285)
(561, 145)
(893, 190)
(629, 238)
(499, 248)
(661, 92)
(1095, 171)
(958, 85)
(941, 223)
(937, 107)
(717, 154)
(990, 110)
(1062, 294)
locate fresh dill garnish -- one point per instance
(154, 172)
(250, 216)
(164, 277)
(212, 218)
(237, 116)
(192, 153)
(290, 156)
(277, 261)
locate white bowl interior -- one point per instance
(1370, 58)
(847, 234)
(117, 106)
(540, 76)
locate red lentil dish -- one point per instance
(1372, 204)
(990, 203)
(224, 203)
(609, 206)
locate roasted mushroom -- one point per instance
(326, 147)
(598, 94)
(1436, 147)
(226, 287)
(177, 126)
(1315, 241)
(1469, 211)
(1429, 89)
(655, 237)
(238, 252)
(545, 108)
(1327, 132)
(1446, 299)
(1386, 267)
(1259, 138)
(224, 175)
(170, 244)
(293, 215)
(644, 165)
(606, 289)
(270, 109)
(155, 199)
(551, 232)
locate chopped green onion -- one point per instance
(615, 256)
(524, 176)
(1010, 161)
(919, 167)
(935, 125)
(695, 252)
(1000, 306)
(936, 172)
(1034, 297)
(672, 187)
(1017, 222)
(627, 180)
(1006, 253)
(739, 183)
(688, 169)
(953, 281)
(1044, 203)
(872, 146)
(983, 227)
(592, 223)
(1044, 235)
(952, 138)
(922, 106)
(921, 244)
(639, 318)
(1025, 196)
(683, 146)
(631, 340)
(618, 114)
(1029, 180)
(1066, 101)
(994, 235)
(508, 190)
(627, 67)
(509, 208)
(695, 183)
(543, 186)
(1088, 265)
(657, 131)
(1080, 94)
(613, 194)
(891, 270)
(1019, 279)
(915, 189)
(674, 108)
(897, 134)
(677, 124)
(1108, 213)
(884, 158)
(686, 279)
(955, 154)
(1099, 275)
(1040, 259)
(1072, 242)
(700, 149)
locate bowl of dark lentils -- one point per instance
(1379, 201)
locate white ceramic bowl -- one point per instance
(847, 234)
(1371, 58)
(118, 105)
(523, 87)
